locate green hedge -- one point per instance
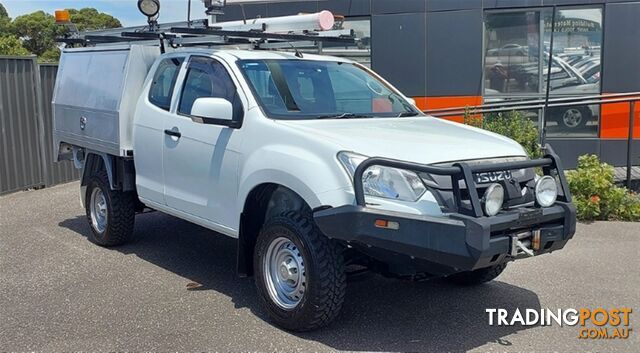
(597, 197)
(512, 124)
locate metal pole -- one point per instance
(545, 110)
(189, 13)
(632, 108)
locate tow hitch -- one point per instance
(525, 243)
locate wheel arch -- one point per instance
(263, 201)
(93, 163)
(96, 161)
(120, 171)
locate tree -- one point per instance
(5, 20)
(37, 31)
(90, 19)
(50, 56)
(3, 12)
(10, 45)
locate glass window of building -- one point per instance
(512, 54)
(516, 40)
(575, 69)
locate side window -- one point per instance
(163, 82)
(207, 77)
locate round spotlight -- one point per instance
(493, 199)
(546, 191)
(149, 8)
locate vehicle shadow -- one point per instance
(379, 314)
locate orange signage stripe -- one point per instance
(614, 121)
(426, 103)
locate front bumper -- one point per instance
(451, 243)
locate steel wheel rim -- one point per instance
(284, 273)
(572, 118)
(99, 211)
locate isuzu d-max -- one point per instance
(314, 164)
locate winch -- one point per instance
(525, 242)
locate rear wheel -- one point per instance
(111, 213)
(473, 278)
(299, 273)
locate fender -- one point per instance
(120, 171)
(87, 164)
(310, 173)
(272, 176)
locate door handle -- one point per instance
(173, 133)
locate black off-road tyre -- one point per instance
(120, 212)
(324, 267)
(477, 277)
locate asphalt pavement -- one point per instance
(59, 292)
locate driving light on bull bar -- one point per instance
(493, 199)
(546, 191)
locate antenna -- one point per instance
(298, 53)
(188, 13)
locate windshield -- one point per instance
(307, 89)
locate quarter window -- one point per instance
(207, 77)
(163, 82)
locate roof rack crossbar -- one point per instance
(71, 40)
(110, 39)
(264, 35)
(148, 35)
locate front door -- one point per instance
(148, 130)
(200, 160)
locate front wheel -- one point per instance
(299, 273)
(111, 213)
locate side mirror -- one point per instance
(412, 101)
(214, 111)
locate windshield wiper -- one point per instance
(344, 116)
(408, 114)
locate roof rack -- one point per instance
(254, 34)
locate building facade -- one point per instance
(456, 53)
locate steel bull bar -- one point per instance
(464, 239)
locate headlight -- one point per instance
(385, 182)
(546, 191)
(493, 199)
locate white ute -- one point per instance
(313, 163)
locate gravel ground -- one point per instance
(58, 292)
